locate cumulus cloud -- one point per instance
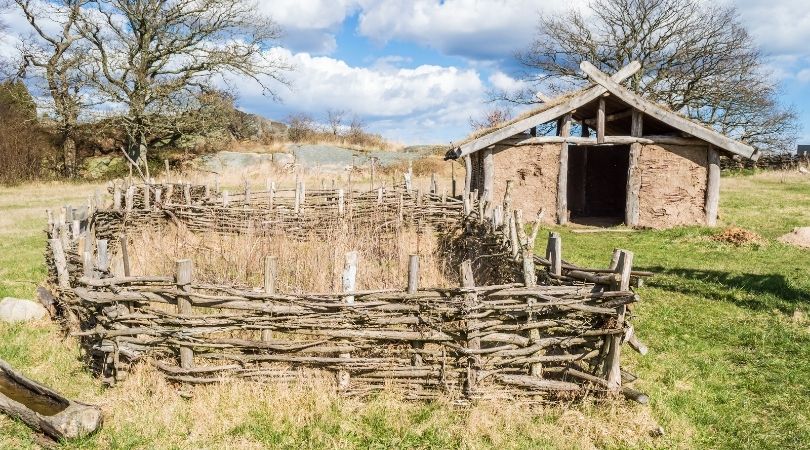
(476, 29)
(781, 27)
(399, 102)
(309, 25)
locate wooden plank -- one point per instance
(609, 140)
(562, 175)
(554, 111)
(668, 117)
(712, 187)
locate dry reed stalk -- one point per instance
(312, 264)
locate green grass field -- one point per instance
(729, 361)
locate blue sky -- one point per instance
(417, 70)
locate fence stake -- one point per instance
(60, 262)
(187, 193)
(270, 271)
(554, 253)
(473, 343)
(226, 198)
(413, 286)
(614, 374)
(116, 198)
(183, 275)
(341, 200)
(349, 280)
(103, 257)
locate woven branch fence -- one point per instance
(518, 325)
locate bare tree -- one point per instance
(335, 118)
(154, 57)
(301, 127)
(492, 118)
(55, 51)
(696, 57)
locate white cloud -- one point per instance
(780, 26)
(424, 103)
(504, 82)
(477, 29)
(309, 25)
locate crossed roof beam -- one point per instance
(605, 84)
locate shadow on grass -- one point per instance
(753, 291)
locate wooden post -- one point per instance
(116, 198)
(631, 209)
(183, 275)
(614, 375)
(102, 255)
(247, 192)
(168, 172)
(380, 196)
(271, 194)
(341, 203)
(158, 195)
(530, 280)
(60, 261)
(348, 280)
(75, 229)
(297, 201)
(453, 179)
(600, 122)
(270, 272)
(129, 198)
(562, 176)
(226, 198)
(413, 286)
(712, 187)
(187, 193)
(554, 253)
(147, 201)
(473, 343)
(488, 161)
(467, 174)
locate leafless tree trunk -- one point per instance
(57, 55)
(696, 57)
(158, 57)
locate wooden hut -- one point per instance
(610, 156)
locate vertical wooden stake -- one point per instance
(102, 255)
(554, 253)
(530, 280)
(183, 276)
(168, 172)
(247, 192)
(349, 280)
(116, 198)
(147, 201)
(226, 198)
(129, 199)
(187, 193)
(270, 271)
(712, 187)
(413, 286)
(341, 203)
(473, 343)
(60, 261)
(614, 374)
(600, 122)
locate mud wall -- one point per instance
(534, 170)
(673, 185)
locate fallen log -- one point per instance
(43, 409)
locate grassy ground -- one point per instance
(729, 361)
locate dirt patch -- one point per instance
(738, 236)
(800, 237)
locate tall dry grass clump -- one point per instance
(310, 264)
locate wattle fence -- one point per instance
(517, 326)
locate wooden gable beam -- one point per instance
(582, 98)
(668, 117)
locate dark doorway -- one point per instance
(597, 183)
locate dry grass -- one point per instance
(313, 264)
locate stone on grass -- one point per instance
(21, 310)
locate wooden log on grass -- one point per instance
(43, 409)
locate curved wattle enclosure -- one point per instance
(385, 289)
